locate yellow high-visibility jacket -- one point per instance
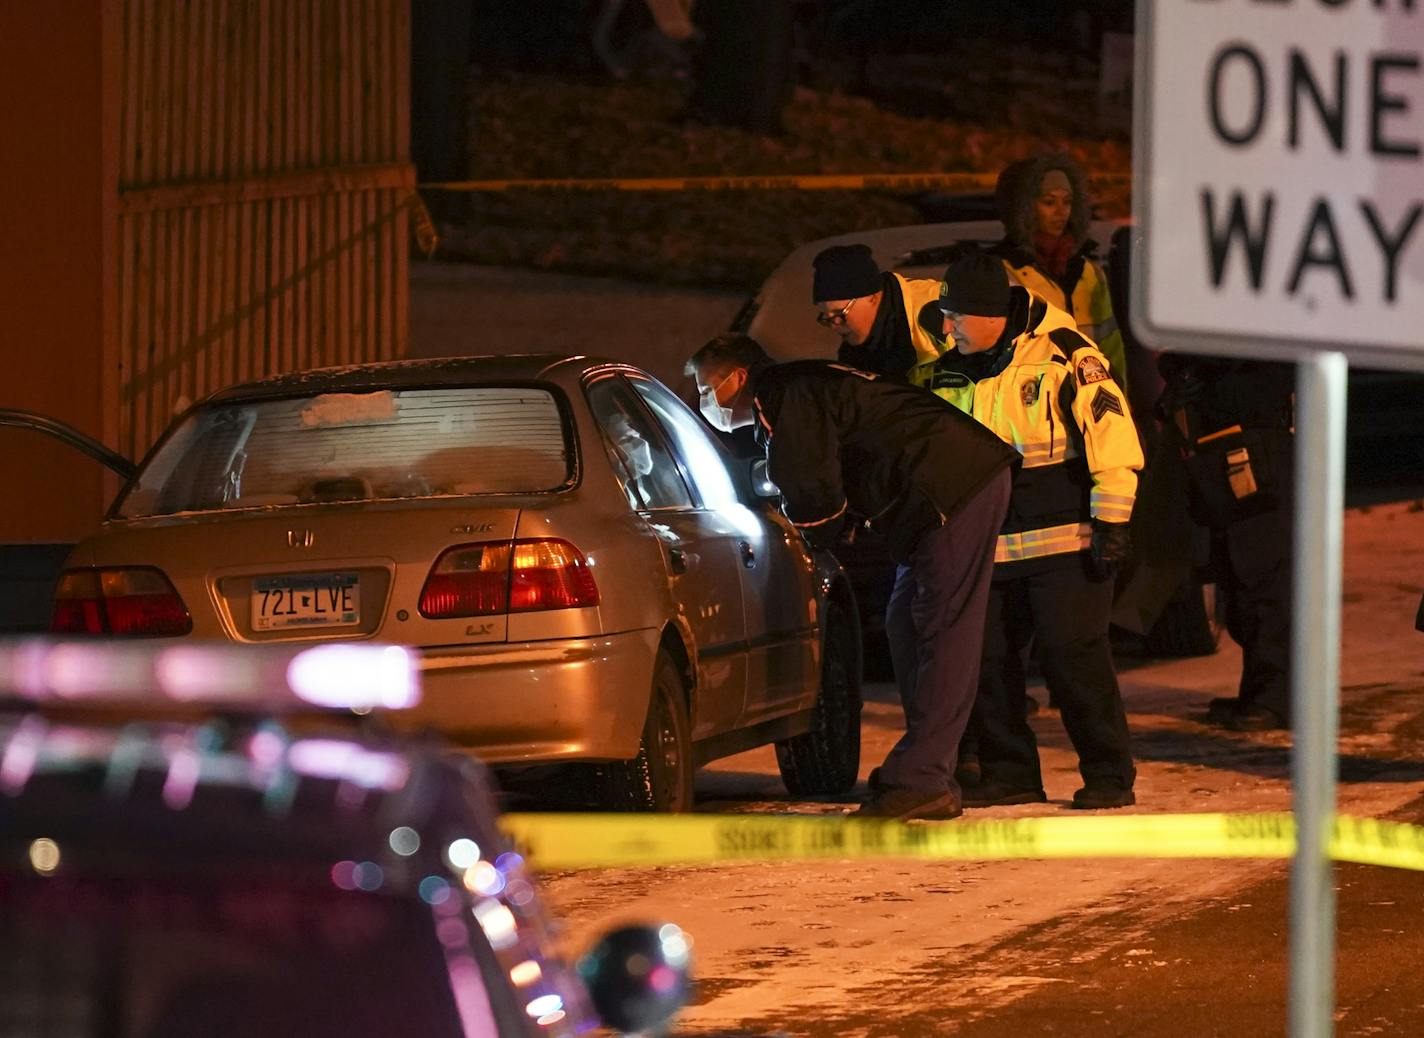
(892, 356)
(1090, 307)
(1049, 394)
(921, 297)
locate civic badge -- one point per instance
(1028, 392)
(300, 538)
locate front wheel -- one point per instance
(659, 778)
(825, 760)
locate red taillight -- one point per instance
(522, 576)
(550, 574)
(136, 602)
(471, 580)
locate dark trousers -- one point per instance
(1252, 561)
(1064, 610)
(935, 625)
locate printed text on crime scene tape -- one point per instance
(558, 841)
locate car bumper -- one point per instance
(564, 699)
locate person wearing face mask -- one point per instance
(933, 480)
(1044, 204)
(880, 317)
(1019, 366)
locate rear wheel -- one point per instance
(1190, 625)
(825, 760)
(659, 778)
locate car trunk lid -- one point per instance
(354, 571)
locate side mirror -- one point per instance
(637, 977)
(762, 486)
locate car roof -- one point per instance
(227, 790)
(396, 374)
(272, 734)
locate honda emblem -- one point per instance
(300, 538)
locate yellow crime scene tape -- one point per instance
(579, 841)
(812, 182)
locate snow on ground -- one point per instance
(906, 947)
(831, 947)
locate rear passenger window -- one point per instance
(641, 461)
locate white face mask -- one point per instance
(717, 416)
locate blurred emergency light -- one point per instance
(274, 679)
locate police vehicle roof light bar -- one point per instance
(259, 678)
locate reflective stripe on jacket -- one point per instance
(1050, 396)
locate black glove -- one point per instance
(1112, 544)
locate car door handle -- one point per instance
(748, 554)
(677, 560)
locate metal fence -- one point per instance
(263, 183)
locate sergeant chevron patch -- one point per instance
(1105, 400)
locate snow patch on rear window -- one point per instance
(349, 408)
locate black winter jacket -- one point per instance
(839, 439)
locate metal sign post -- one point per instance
(1315, 685)
(1278, 149)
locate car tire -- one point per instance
(875, 651)
(826, 760)
(1190, 625)
(659, 778)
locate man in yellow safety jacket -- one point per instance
(1020, 367)
(887, 323)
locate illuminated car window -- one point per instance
(381, 445)
(703, 456)
(646, 471)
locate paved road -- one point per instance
(1080, 948)
(1007, 949)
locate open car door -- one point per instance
(28, 571)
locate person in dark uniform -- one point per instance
(1021, 367)
(1233, 423)
(931, 479)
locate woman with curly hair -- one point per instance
(1044, 204)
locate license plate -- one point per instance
(308, 600)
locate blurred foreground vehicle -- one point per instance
(185, 849)
(589, 575)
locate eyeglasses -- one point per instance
(835, 320)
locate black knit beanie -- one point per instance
(976, 285)
(844, 272)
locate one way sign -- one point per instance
(1278, 179)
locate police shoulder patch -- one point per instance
(1090, 370)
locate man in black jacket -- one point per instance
(931, 479)
(1233, 421)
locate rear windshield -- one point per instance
(383, 445)
(128, 958)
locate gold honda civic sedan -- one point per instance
(590, 578)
